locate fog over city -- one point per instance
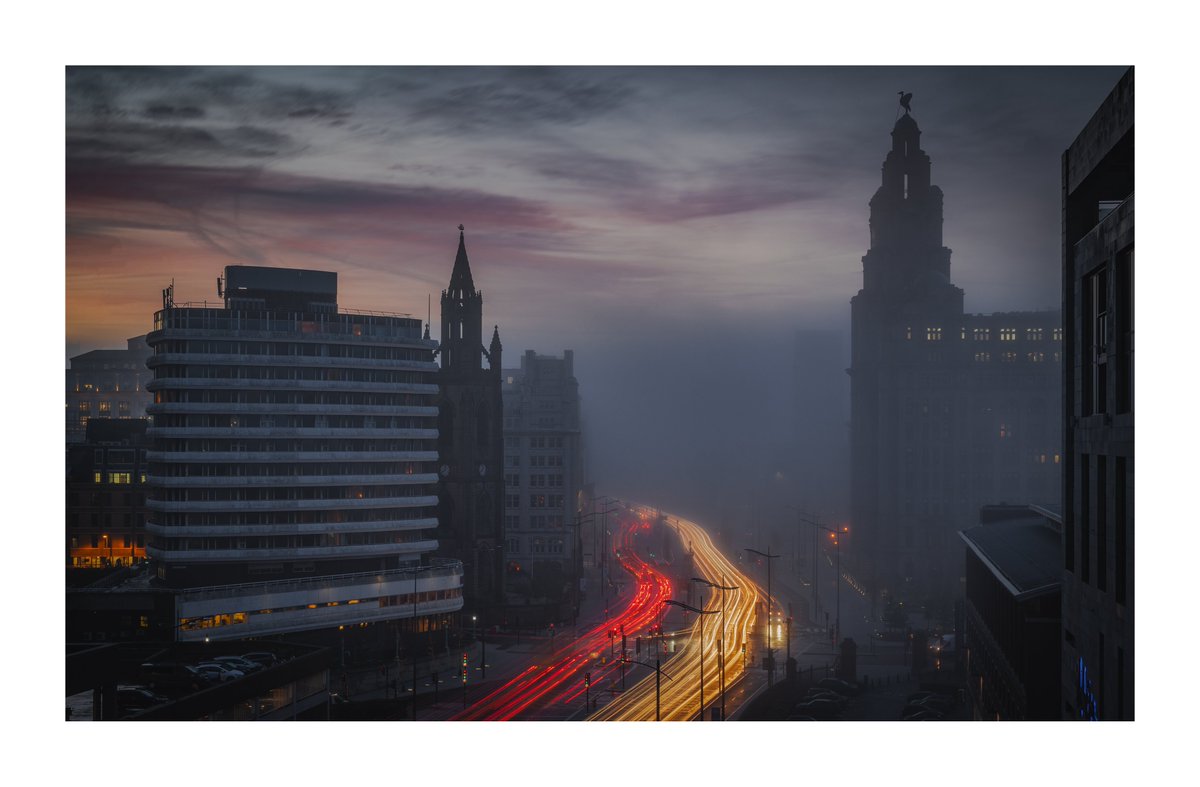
(675, 227)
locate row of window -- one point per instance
(302, 541)
(291, 373)
(272, 421)
(290, 349)
(534, 442)
(985, 334)
(1011, 357)
(285, 397)
(104, 408)
(298, 517)
(280, 493)
(535, 501)
(347, 445)
(535, 522)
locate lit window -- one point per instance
(1033, 334)
(119, 478)
(1008, 334)
(105, 408)
(85, 407)
(1005, 432)
(98, 477)
(1037, 357)
(1057, 459)
(908, 332)
(962, 334)
(1057, 334)
(933, 334)
(982, 334)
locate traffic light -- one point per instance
(587, 680)
(464, 668)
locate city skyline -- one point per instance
(595, 192)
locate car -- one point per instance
(818, 709)
(239, 663)
(822, 694)
(221, 672)
(838, 685)
(262, 657)
(168, 677)
(133, 699)
(924, 715)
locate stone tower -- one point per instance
(470, 441)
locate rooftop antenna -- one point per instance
(220, 292)
(168, 296)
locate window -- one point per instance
(1008, 334)
(105, 408)
(1008, 357)
(983, 357)
(1096, 291)
(123, 409)
(1033, 334)
(97, 477)
(908, 332)
(1036, 357)
(85, 407)
(537, 501)
(537, 480)
(512, 461)
(512, 442)
(512, 501)
(511, 521)
(982, 334)
(1056, 334)
(933, 334)
(512, 479)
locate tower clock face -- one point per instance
(445, 471)
(483, 470)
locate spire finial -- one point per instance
(905, 98)
(461, 229)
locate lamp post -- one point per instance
(658, 673)
(837, 542)
(721, 640)
(770, 604)
(700, 612)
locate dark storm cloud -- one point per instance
(520, 97)
(144, 140)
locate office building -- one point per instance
(543, 466)
(1098, 281)
(107, 384)
(106, 494)
(293, 466)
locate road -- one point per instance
(688, 677)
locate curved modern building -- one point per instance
(293, 467)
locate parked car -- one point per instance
(840, 686)
(168, 677)
(818, 709)
(133, 699)
(262, 657)
(221, 672)
(824, 694)
(239, 663)
(924, 715)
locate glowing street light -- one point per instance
(700, 612)
(721, 640)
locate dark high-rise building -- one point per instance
(1097, 611)
(949, 410)
(470, 440)
(293, 472)
(543, 472)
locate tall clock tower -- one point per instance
(470, 441)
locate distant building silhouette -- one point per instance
(470, 440)
(107, 384)
(949, 410)
(543, 466)
(1097, 649)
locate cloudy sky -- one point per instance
(673, 226)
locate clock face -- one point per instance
(445, 470)
(483, 469)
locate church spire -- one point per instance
(494, 351)
(461, 282)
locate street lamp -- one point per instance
(837, 542)
(658, 673)
(700, 612)
(770, 604)
(721, 651)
